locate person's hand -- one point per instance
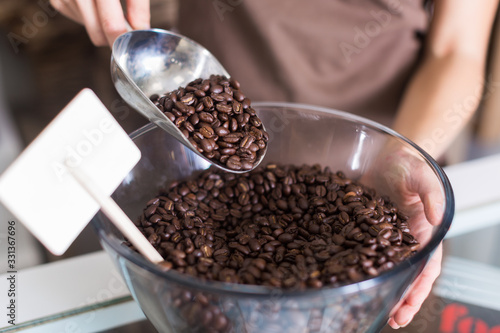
(104, 19)
(409, 181)
(404, 312)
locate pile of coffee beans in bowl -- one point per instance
(282, 226)
(218, 120)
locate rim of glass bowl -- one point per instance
(245, 290)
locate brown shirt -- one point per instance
(352, 55)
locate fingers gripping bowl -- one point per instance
(298, 134)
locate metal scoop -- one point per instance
(155, 61)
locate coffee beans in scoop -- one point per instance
(279, 225)
(218, 120)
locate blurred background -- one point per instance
(46, 59)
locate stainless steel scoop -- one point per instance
(155, 61)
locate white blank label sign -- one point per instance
(37, 187)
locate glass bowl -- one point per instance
(299, 134)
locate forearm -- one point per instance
(440, 100)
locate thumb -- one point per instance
(428, 187)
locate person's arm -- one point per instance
(441, 98)
(446, 89)
(104, 19)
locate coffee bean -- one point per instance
(207, 131)
(150, 210)
(246, 103)
(409, 238)
(234, 163)
(232, 137)
(286, 238)
(216, 89)
(254, 245)
(238, 95)
(276, 226)
(222, 131)
(221, 114)
(224, 108)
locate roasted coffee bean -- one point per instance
(207, 131)
(150, 210)
(224, 108)
(216, 109)
(222, 131)
(281, 226)
(234, 163)
(238, 95)
(233, 137)
(254, 245)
